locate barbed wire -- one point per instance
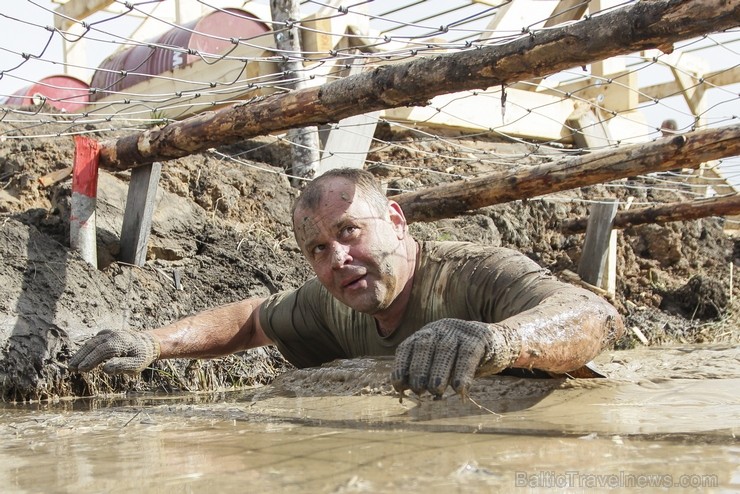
(369, 34)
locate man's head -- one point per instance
(364, 182)
(668, 127)
(355, 239)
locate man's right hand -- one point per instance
(124, 352)
(451, 352)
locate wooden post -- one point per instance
(609, 283)
(596, 246)
(732, 282)
(609, 279)
(84, 199)
(305, 149)
(349, 141)
(137, 219)
(589, 131)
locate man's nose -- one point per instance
(340, 255)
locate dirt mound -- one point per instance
(221, 232)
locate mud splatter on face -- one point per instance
(306, 229)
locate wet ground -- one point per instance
(663, 418)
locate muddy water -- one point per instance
(665, 418)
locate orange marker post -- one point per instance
(84, 198)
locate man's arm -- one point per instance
(560, 326)
(565, 331)
(541, 323)
(212, 333)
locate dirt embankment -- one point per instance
(221, 232)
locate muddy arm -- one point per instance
(567, 329)
(215, 332)
(516, 315)
(561, 326)
(212, 333)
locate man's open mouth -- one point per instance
(352, 282)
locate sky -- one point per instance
(19, 38)
(25, 21)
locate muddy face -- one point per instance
(356, 250)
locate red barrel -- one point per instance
(62, 92)
(129, 67)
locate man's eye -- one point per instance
(349, 231)
(318, 249)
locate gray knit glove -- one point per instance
(451, 352)
(125, 351)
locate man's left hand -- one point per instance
(449, 352)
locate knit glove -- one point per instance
(125, 351)
(451, 352)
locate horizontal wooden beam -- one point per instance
(636, 27)
(567, 10)
(664, 213)
(587, 88)
(78, 9)
(718, 78)
(682, 151)
(482, 112)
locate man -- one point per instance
(669, 127)
(448, 310)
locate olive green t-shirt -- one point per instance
(452, 279)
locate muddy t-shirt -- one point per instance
(452, 279)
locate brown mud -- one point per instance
(221, 232)
(665, 419)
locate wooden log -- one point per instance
(571, 277)
(664, 213)
(682, 151)
(635, 27)
(589, 131)
(55, 176)
(137, 218)
(593, 262)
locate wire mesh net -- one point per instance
(131, 66)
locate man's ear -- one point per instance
(398, 219)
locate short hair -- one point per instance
(669, 124)
(364, 182)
